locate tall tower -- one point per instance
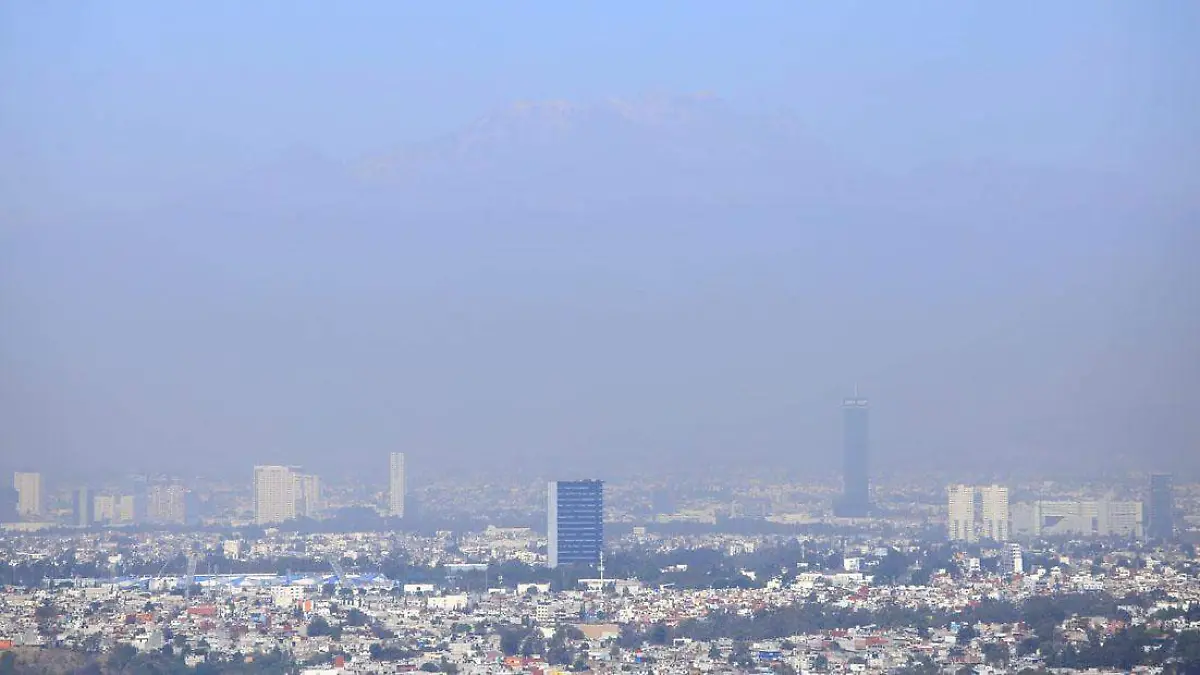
(29, 493)
(856, 494)
(308, 495)
(1162, 507)
(397, 486)
(960, 526)
(575, 521)
(996, 520)
(83, 507)
(167, 503)
(274, 494)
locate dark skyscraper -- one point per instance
(575, 526)
(1162, 507)
(83, 507)
(856, 497)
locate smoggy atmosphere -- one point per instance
(598, 239)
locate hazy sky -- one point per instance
(985, 213)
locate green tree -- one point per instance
(659, 634)
(319, 627)
(921, 664)
(120, 657)
(1187, 652)
(996, 654)
(511, 639)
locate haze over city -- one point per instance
(588, 240)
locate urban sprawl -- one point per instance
(282, 573)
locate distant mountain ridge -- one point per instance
(668, 147)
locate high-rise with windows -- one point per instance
(575, 522)
(978, 512)
(127, 509)
(167, 503)
(1161, 514)
(274, 494)
(397, 488)
(104, 508)
(83, 510)
(1011, 561)
(960, 524)
(308, 495)
(1089, 518)
(995, 517)
(29, 493)
(856, 494)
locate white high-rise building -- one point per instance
(308, 495)
(274, 494)
(1120, 519)
(397, 488)
(126, 509)
(1011, 561)
(29, 493)
(996, 519)
(1102, 518)
(961, 522)
(978, 512)
(104, 508)
(167, 504)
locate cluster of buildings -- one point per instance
(283, 493)
(977, 513)
(458, 613)
(162, 502)
(364, 622)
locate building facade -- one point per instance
(1088, 518)
(127, 509)
(995, 518)
(83, 509)
(29, 493)
(308, 495)
(1161, 523)
(1011, 561)
(167, 503)
(104, 508)
(575, 522)
(856, 490)
(274, 494)
(397, 487)
(976, 512)
(960, 523)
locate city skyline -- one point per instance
(767, 338)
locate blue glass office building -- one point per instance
(575, 521)
(1161, 514)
